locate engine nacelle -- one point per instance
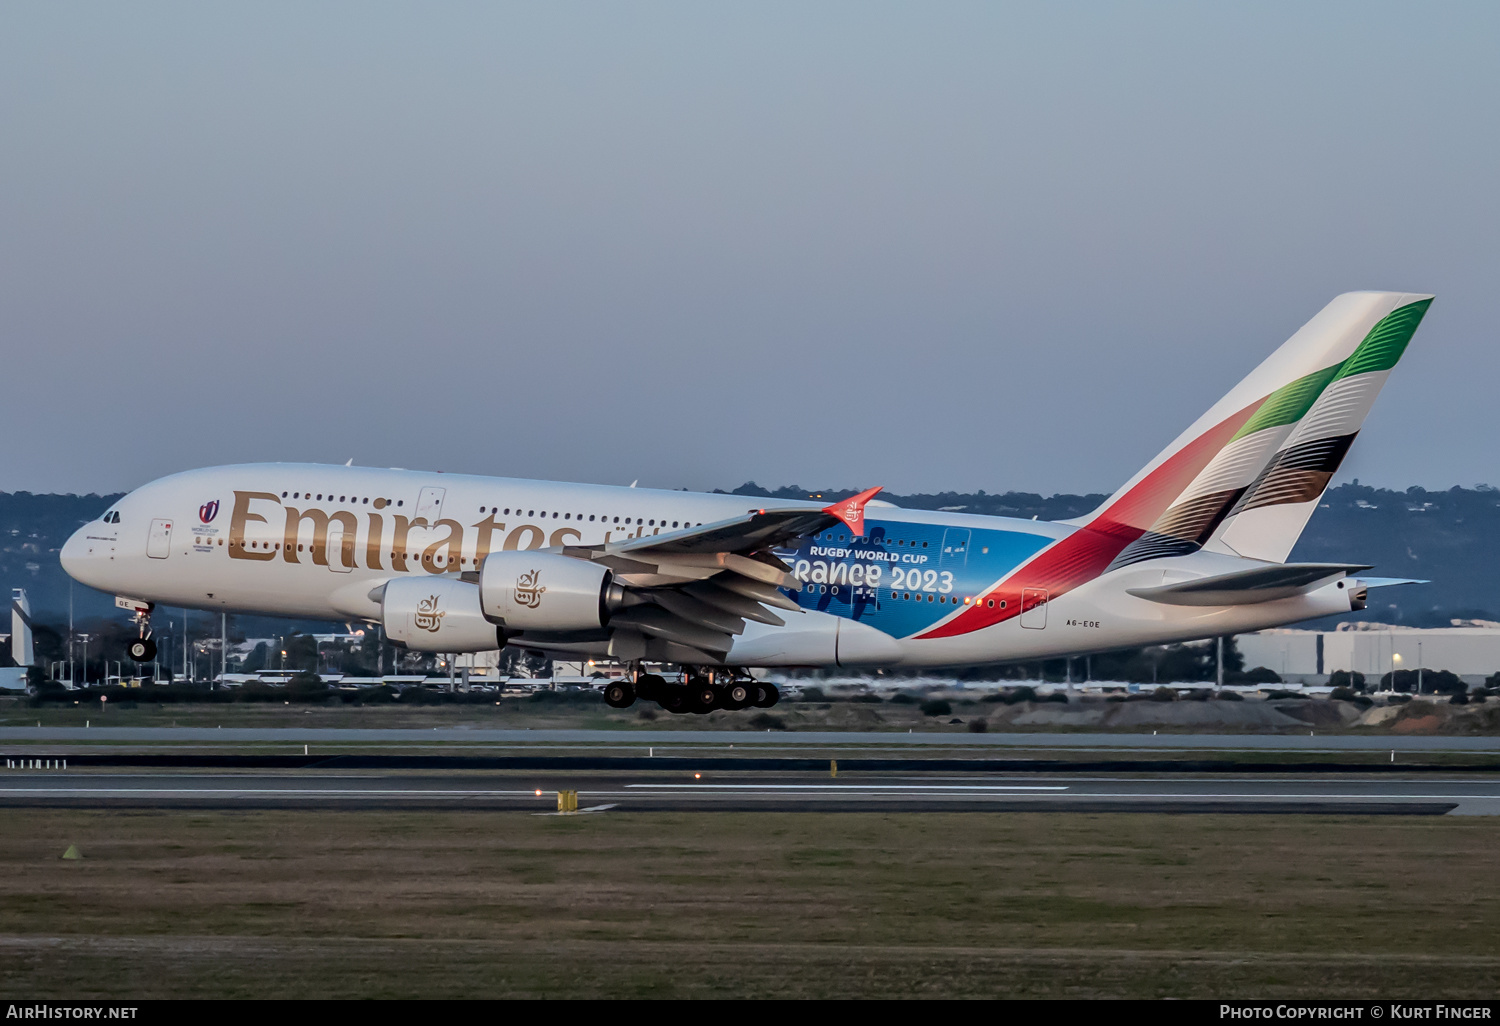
(439, 614)
(543, 591)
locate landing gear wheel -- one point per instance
(141, 650)
(767, 697)
(739, 694)
(650, 688)
(675, 699)
(705, 697)
(619, 695)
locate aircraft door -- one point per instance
(430, 504)
(339, 548)
(1034, 608)
(159, 541)
(954, 555)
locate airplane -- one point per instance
(1193, 546)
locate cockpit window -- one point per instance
(112, 517)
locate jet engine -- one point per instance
(439, 614)
(543, 591)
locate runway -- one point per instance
(729, 791)
(1311, 741)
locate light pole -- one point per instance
(1419, 667)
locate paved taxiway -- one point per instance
(683, 791)
(1304, 742)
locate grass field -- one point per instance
(472, 904)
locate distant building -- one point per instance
(1469, 648)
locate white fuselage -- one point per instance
(313, 541)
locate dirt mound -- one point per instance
(1241, 715)
(1318, 713)
(1210, 715)
(1418, 725)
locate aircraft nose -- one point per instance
(77, 557)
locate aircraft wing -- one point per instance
(1245, 587)
(687, 594)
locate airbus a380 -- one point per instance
(1193, 546)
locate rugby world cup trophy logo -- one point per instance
(429, 617)
(208, 511)
(528, 591)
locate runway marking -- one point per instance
(856, 787)
(352, 793)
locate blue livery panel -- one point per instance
(902, 578)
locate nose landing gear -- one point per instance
(143, 648)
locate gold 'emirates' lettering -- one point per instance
(398, 539)
(243, 516)
(319, 547)
(454, 543)
(533, 533)
(487, 529)
(372, 543)
(442, 555)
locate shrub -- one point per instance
(1260, 675)
(1342, 694)
(1283, 693)
(868, 696)
(994, 696)
(1229, 696)
(936, 707)
(1441, 682)
(1056, 696)
(903, 698)
(1199, 695)
(978, 725)
(813, 694)
(1024, 693)
(1354, 681)
(765, 721)
(647, 713)
(1163, 694)
(1398, 699)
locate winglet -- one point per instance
(852, 510)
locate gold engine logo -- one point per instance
(429, 617)
(528, 591)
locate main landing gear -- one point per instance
(143, 648)
(698, 692)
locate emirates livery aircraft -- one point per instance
(1193, 546)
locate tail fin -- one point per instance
(1247, 475)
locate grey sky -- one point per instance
(927, 246)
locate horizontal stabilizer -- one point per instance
(1386, 582)
(1246, 587)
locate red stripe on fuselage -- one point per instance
(1083, 555)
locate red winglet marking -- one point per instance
(852, 510)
